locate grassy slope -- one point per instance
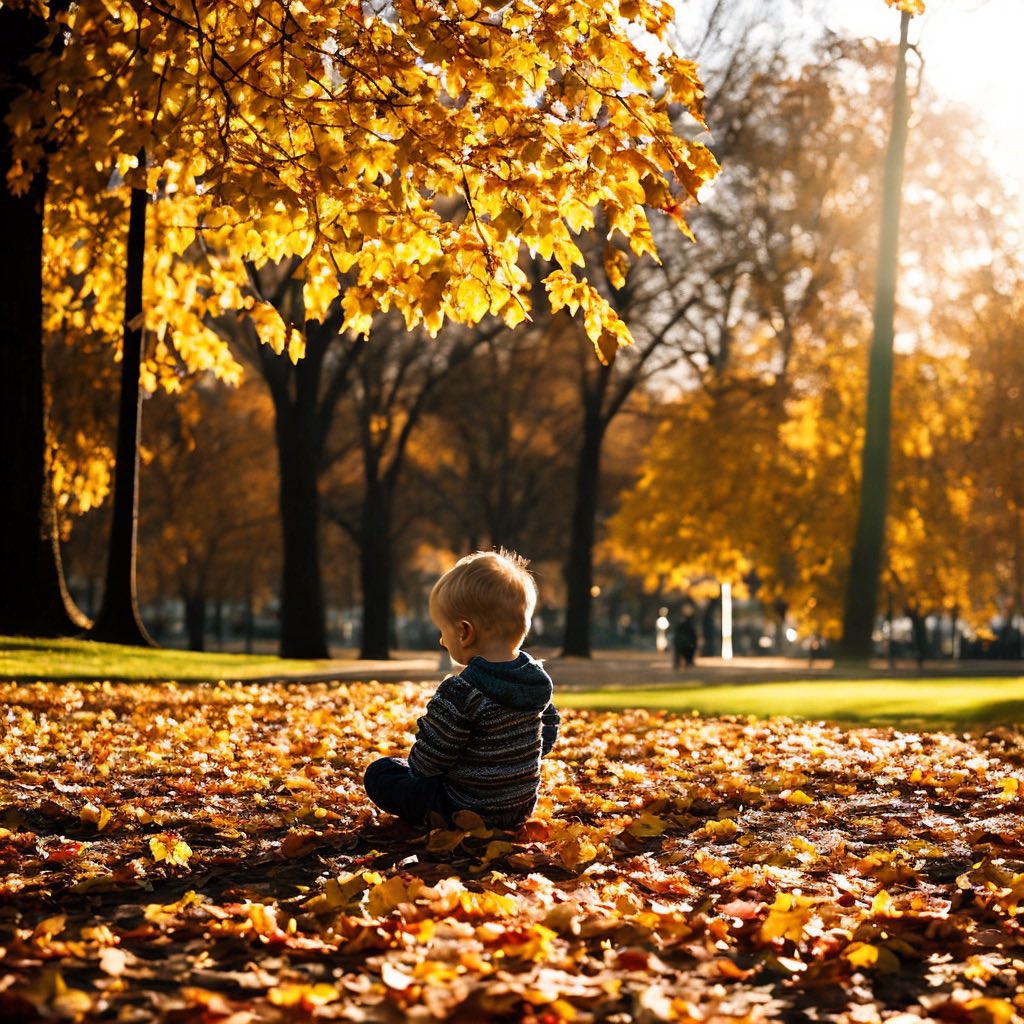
(934, 702)
(29, 659)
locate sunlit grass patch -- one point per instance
(28, 659)
(928, 702)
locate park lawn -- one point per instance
(28, 659)
(924, 703)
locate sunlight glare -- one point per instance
(971, 54)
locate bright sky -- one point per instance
(973, 52)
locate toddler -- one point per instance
(479, 745)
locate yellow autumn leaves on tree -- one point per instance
(911, 7)
(407, 151)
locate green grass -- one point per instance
(25, 659)
(934, 703)
(913, 703)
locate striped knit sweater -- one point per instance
(484, 732)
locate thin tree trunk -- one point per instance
(579, 569)
(119, 620)
(195, 621)
(375, 573)
(33, 599)
(866, 557)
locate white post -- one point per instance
(727, 621)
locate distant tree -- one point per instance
(393, 384)
(208, 505)
(498, 446)
(991, 545)
(866, 558)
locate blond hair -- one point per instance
(491, 589)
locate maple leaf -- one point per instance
(170, 849)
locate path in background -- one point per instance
(648, 668)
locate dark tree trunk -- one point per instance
(33, 598)
(302, 418)
(375, 572)
(579, 569)
(866, 557)
(119, 620)
(195, 621)
(303, 620)
(249, 622)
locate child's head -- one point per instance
(493, 590)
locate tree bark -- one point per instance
(195, 621)
(303, 617)
(579, 568)
(119, 620)
(33, 599)
(861, 599)
(375, 572)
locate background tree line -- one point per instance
(723, 443)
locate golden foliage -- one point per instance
(911, 7)
(761, 475)
(407, 155)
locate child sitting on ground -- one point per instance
(479, 745)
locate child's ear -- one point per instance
(467, 632)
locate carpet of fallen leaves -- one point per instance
(206, 853)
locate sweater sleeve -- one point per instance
(549, 723)
(442, 732)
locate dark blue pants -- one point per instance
(391, 785)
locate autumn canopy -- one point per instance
(407, 152)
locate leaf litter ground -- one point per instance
(206, 853)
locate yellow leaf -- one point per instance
(616, 265)
(787, 917)
(911, 7)
(721, 829)
(882, 905)
(98, 816)
(576, 851)
(471, 300)
(991, 1011)
(798, 796)
(1010, 787)
(296, 344)
(307, 997)
(861, 954)
(269, 325)
(386, 896)
(647, 825)
(296, 783)
(170, 849)
(341, 891)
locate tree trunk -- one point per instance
(119, 620)
(303, 619)
(249, 621)
(375, 572)
(579, 569)
(866, 557)
(195, 621)
(33, 599)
